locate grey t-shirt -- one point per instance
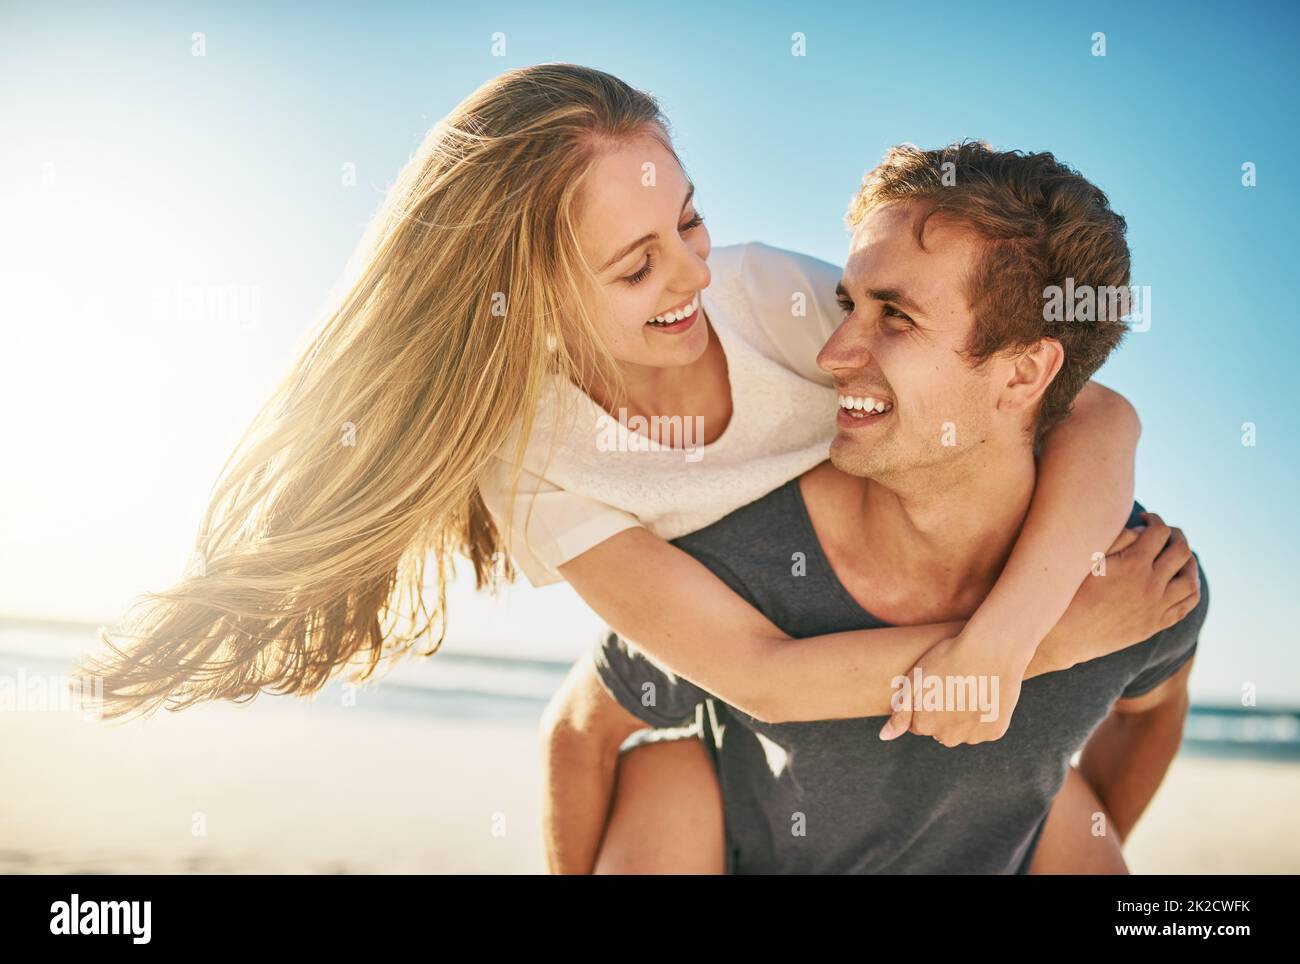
(830, 797)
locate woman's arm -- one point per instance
(1083, 497)
(714, 638)
(708, 634)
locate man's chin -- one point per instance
(854, 458)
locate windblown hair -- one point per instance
(364, 463)
(1042, 223)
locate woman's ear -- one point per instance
(1031, 374)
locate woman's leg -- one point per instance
(1067, 845)
(666, 816)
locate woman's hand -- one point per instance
(1147, 582)
(990, 678)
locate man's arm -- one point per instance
(582, 730)
(1128, 755)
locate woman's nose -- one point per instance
(694, 274)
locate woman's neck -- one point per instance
(701, 388)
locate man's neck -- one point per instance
(927, 547)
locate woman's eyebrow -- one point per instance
(652, 236)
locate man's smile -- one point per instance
(858, 411)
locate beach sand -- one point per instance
(284, 785)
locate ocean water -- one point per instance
(515, 689)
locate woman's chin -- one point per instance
(672, 351)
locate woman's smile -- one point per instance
(677, 319)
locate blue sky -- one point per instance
(129, 165)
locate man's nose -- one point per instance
(845, 350)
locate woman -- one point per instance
(476, 300)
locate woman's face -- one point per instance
(648, 247)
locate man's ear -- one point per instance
(1031, 374)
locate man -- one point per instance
(911, 523)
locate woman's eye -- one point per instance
(638, 277)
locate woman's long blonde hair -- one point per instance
(469, 293)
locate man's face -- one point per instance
(899, 344)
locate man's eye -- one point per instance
(846, 305)
(893, 312)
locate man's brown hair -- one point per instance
(1042, 223)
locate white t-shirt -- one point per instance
(587, 476)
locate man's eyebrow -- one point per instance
(895, 295)
(652, 236)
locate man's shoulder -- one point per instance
(751, 535)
